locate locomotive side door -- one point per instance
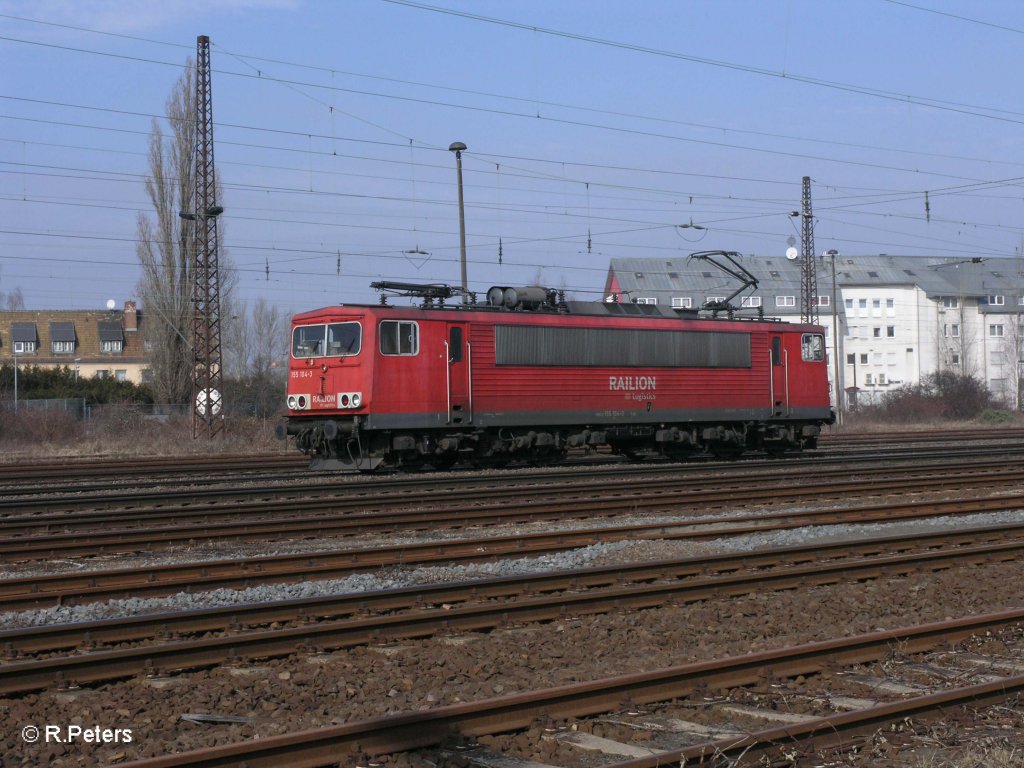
(779, 377)
(459, 374)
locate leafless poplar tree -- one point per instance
(13, 300)
(166, 246)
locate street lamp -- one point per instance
(832, 252)
(458, 148)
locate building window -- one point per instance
(954, 359)
(750, 301)
(823, 301)
(877, 332)
(890, 307)
(24, 338)
(851, 359)
(102, 373)
(682, 302)
(785, 301)
(881, 379)
(121, 375)
(713, 299)
(950, 302)
(876, 358)
(111, 336)
(995, 329)
(62, 338)
(864, 359)
(868, 379)
(849, 303)
(996, 301)
(890, 331)
(890, 358)
(862, 303)
(647, 300)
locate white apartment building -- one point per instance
(900, 318)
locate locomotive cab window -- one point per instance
(399, 338)
(812, 347)
(329, 340)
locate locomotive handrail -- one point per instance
(448, 380)
(469, 364)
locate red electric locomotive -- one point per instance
(526, 376)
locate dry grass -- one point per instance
(32, 434)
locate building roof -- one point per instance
(975, 278)
(85, 330)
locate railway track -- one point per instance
(94, 474)
(36, 536)
(485, 604)
(35, 591)
(410, 730)
(231, 640)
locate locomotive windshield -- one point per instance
(327, 340)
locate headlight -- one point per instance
(291, 402)
(356, 400)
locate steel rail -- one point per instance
(832, 731)
(492, 506)
(639, 501)
(131, 501)
(56, 637)
(127, 473)
(104, 584)
(86, 667)
(194, 506)
(147, 465)
(410, 730)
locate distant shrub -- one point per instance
(992, 416)
(940, 396)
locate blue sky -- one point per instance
(594, 130)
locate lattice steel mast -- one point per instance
(808, 269)
(207, 379)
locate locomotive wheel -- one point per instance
(442, 463)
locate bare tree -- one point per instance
(12, 301)
(256, 359)
(166, 246)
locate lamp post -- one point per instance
(458, 148)
(14, 352)
(832, 252)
